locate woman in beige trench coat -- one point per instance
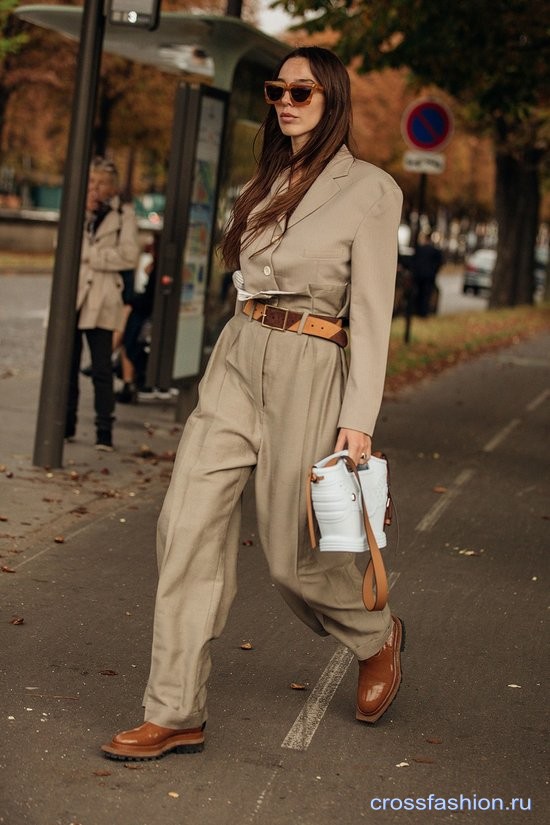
(109, 245)
(314, 235)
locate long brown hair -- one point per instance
(325, 140)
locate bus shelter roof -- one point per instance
(197, 47)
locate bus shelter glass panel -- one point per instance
(196, 256)
(247, 110)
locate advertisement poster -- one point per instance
(196, 256)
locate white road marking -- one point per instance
(309, 718)
(536, 402)
(502, 434)
(70, 535)
(262, 797)
(435, 512)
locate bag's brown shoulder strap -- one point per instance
(375, 581)
(312, 477)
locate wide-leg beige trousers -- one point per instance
(269, 401)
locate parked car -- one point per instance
(479, 270)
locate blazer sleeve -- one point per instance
(373, 272)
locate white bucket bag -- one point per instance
(352, 506)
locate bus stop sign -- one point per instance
(427, 125)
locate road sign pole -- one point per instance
(409, 310)
(426, 126)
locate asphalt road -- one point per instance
(470, 456)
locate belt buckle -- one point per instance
(268, 325)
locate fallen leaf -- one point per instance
(3, 518)
(467, 552)
(105, 471)
(101, 773)
(17, 620)
(424, 760)
(129, 766)
(247, 646)
(247, 543)
(514, 686)
(9, 474)
(59, 539)
(5, 569)
(73, 475)
(433, 740)
(173, 794)
(298, 686)
(402, 765)
(108, 672)
(145, 452)
(439, 489)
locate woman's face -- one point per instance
(101, 188)
(297, 122)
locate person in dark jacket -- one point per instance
(425, 265)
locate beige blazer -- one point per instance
(113, 248)
(339, 255)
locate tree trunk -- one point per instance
(102, 123)
(127, 189)
(517, 201)
(4, 98)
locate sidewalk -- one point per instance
(468, 569)
(38, 505)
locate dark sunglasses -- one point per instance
(300, 93)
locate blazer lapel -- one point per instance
(325, 187)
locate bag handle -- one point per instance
(375, 580)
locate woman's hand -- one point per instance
(358, 445)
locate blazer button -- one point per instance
(267, 270)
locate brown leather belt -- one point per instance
(284, 319)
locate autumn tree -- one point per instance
(11, 40)
(134, 108)
(491, 56)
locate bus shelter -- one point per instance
(222, 63)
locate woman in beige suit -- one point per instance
(314, 237)
(109, 246)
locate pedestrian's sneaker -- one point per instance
(154, 394)
(104, 441)
(127, 395)
(146, 394)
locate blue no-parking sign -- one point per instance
(427, 124)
